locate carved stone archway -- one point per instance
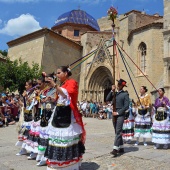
(99, 84)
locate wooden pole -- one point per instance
(114, 77)
(112, 13)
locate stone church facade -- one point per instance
(166, 45)
(140, 35)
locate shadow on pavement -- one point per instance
(89, 166)
(141, 143)
(131, 149)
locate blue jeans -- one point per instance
(109, 115)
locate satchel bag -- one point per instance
(62, 117)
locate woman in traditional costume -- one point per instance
(161, 121)
(143, 118)
(128, 125)
(66, 130)
(26, 116)
(48, 108)
(33, 137)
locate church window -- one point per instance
(142, 52)
(76, 33)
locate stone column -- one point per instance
(96, 96)
(82, 95)
(102, 95)
(91, 95)
(167, 76)
(85, 95)
(99, 96)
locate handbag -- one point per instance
(62, 117)
(161, 114)
(28, 115)
(142, 112)
(46, 114)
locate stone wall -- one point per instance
(105, 24)
(166, 14)
(152, 36)
(166, 36)
(30, 50)
(60, 52)
(68, 31)
(90, 42)
(153, 39)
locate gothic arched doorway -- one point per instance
(99, 84)
(106, 92)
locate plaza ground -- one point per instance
(100, 135)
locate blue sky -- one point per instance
(20, 17)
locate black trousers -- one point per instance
(118, 125)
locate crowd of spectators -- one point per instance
(95, 109)
(10, 105)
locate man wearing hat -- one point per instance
(122, 104)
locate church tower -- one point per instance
(166, 57)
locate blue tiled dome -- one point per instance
(77, 17)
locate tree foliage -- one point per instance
(14, 74)
(4, 53)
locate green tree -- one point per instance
(4, 53)
(14, 74)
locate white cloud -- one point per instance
(0, 21)
(22, 25)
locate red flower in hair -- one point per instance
(123, 83)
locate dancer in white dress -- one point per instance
(66, 130)
(161, 121)
(143, 118)
(26, 116)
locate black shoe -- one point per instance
(114, 152)
(121, 150)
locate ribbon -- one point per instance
(61, 164)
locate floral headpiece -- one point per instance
(112, 13)
(69, 70)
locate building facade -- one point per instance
(166, 56)
(140, 36)
(76, 34)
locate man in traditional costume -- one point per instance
(122, 104)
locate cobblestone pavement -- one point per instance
(100, 135)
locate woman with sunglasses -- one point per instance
(66, 130)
